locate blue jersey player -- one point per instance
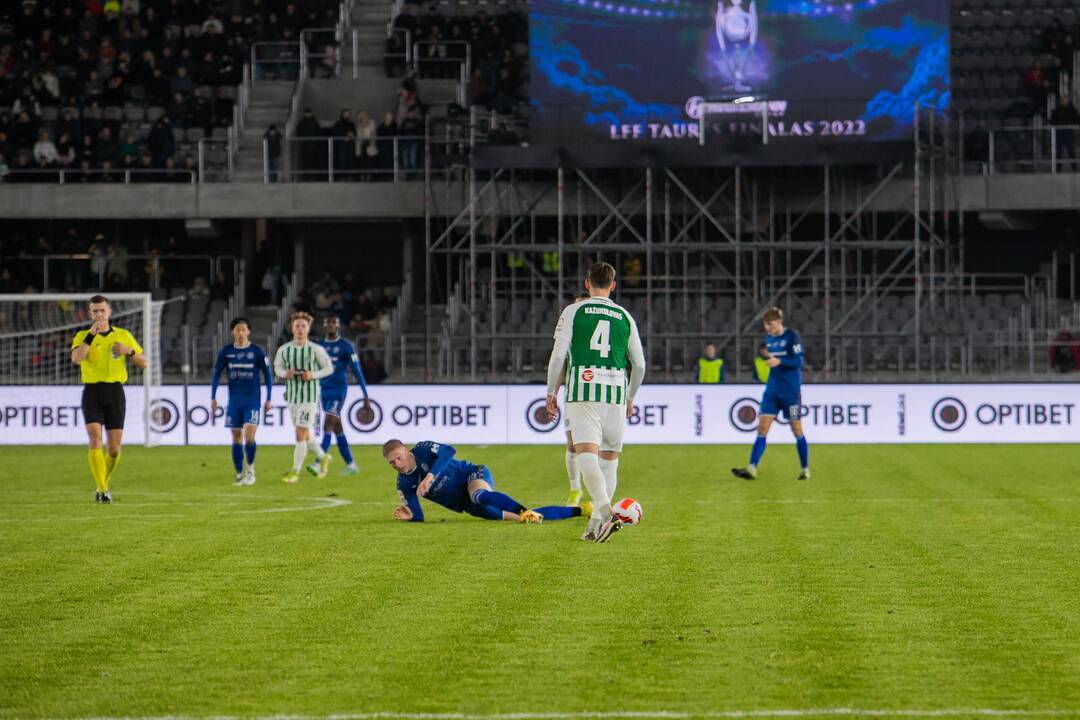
(335, 387)
(783, 353)
(431, 471)
(245, 364)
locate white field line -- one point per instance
(323, 503)
(651, 715)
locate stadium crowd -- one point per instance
(363, 147)
(89, 257)
(97, 86)
(498, 47)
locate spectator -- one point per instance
(130, 148)
(45, 150)
(220, 289)
(367, 152)
(359, 323)
(374, 371)
(307, 131)
(116, 265)
(386, 132)
(389, 302)
(106, 150)
(161, 141)
(344, 132)
(272, 138)
(199, 289)
(1065, 115)
(710, 368)
(65, 152)
(412, 131)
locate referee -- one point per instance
(100, 352)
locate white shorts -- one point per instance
(303, 414)
(598, 423)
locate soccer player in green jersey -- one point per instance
(302, 364)
(596, 341)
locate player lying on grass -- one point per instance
(431, 471)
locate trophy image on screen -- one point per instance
(736, 31)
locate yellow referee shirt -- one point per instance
(100, 366)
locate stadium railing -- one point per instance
(1027, 149)
(76, 176)
(275, 60)
(443, 58)
(332, 159)
(74, 269)
(404, 58)
(329, 58)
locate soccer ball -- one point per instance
(628, 510)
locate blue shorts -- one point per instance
(785, 404)
(331, 405)
(476, 509)
(237, 415)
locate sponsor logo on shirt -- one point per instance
(586, 375)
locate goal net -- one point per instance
(36, 331)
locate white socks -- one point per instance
(593, 477)
(298, 454)
(316, 448)
(572, 471)
(610, 468)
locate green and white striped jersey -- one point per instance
(596, 341)
(309, 356)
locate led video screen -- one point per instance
(819, 70)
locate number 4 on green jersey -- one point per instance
(596, 341)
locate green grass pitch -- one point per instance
(899, 578)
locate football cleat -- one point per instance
(530, 517)
(589, 536)
(747, 473)
(312, 469)
(249, 477)
(97, 496)
(586, 509)
(324, 466)
(106, 497)
(239, 479)
(575, 498)
(290, 477)
(611, 526)
(350, 469)
(804, 474)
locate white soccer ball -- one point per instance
(628, 510)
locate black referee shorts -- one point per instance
(104, 403)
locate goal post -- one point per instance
(35, 341)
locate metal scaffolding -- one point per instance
(865, 260)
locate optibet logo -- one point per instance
(744, 414)
(164, 415)
(367, 419)
(949, 414)
(536, 415)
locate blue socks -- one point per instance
(238, 457)
(342, 444)
(498, 500)
(758, 451)
(804, 452)
(343, 449)
(249, 451)
(558, 512)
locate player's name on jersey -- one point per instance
(596, 310)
